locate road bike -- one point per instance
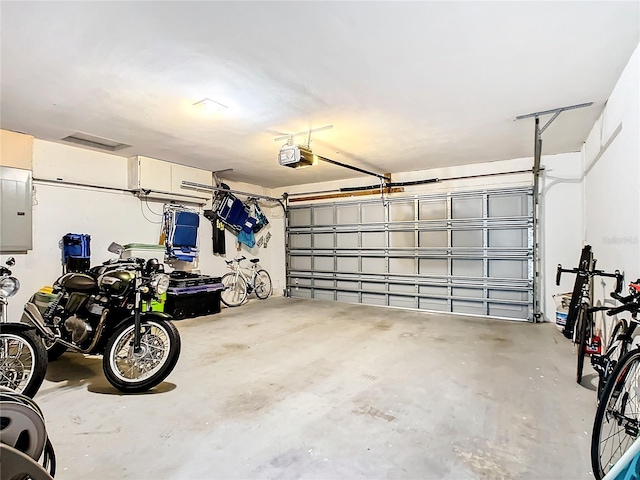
(580, 326)
(240, 282)
(617, 422)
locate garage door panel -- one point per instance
(464, 253)
(402, 265)
(402, 239)
(433, 290)
(300, 263)
(347, 240)
(433, 266)
(467, 268)
(374, 299)
(437, 238)
(374, 286)
(323, 263)
(467, 292)
(509, 311)
(373, 265)
(347, 264)
(300, 240)
(301, 292)
(433, 210)
(402, 302)
(323, 216)
(467, 238)
(373, 239)
(300, 217)
(323, 240)
(440, 305)
(348, 214)
(508, 205)
(508, 269)
(372, 213)
(466, 207)
(469, 307)
(509, 238)
(323, 294)
(402, 212)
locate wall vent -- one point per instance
(95, 142)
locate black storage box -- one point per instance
(185, 279)
(193, 301)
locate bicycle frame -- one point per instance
(239, 271)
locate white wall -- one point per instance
(611, 158)
(107, 214)
(561, 224)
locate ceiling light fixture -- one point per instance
(210, 106)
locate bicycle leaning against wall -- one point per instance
(580, 326)
(617, 423)
(240, 282)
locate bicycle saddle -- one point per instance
(254, 260)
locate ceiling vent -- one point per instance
(95, 142)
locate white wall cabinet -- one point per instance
(164, 177)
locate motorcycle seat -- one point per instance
(78, 282)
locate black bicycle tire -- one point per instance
(260, 295)
(582, 324)
(622, 368)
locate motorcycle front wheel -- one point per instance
(130, 371)
(23, 361)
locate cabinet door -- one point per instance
(15, 210)
(155, 175)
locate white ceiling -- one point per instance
(407, 86)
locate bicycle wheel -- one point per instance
(235, 290)
(618, 415)
(616, 349)
(262, 284)
(582, 326)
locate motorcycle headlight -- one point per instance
(160, 283)
(9, 286)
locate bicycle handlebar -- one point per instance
(600, 273)
(229, 262)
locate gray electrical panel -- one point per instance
(15, 210)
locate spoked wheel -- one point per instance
(581, 340)
(23, 362)
(618, 416)
(131, 371)
(616, 349)
(262, 284)
(235, 290)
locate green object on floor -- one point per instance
(156, 305)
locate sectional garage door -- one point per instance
(465, 252)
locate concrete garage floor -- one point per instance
(290, 388)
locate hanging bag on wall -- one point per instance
(261, 219)
(76, 252)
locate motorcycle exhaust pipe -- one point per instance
(35, 317)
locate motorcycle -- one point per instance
(23, 357)
(101, 313)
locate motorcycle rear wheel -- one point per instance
(23, 362)
(132, 372)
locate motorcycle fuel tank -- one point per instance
(116, 282)
(77, 282)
